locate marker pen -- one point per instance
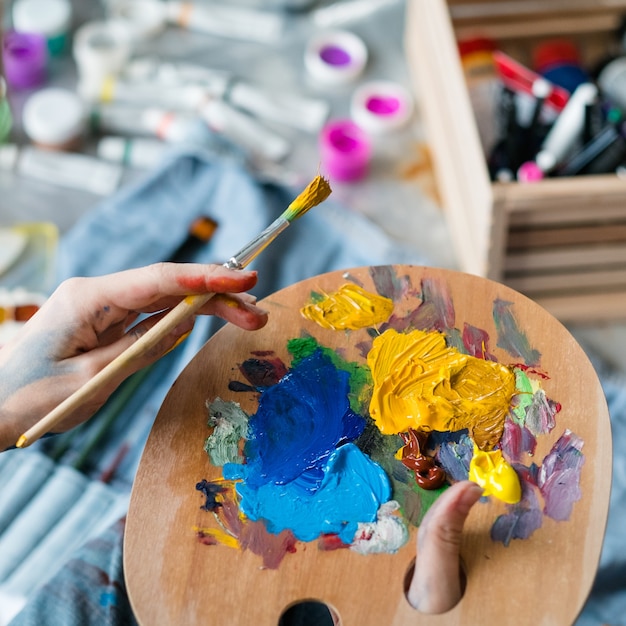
(236, 22)
(602, 155)
(567, 129)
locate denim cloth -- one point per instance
(147, 223)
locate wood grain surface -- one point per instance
(173, 579)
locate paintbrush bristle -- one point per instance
(316, 192)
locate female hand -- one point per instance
(87, 322)
(437, 584)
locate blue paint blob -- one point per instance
(299, 423)
(351, 491)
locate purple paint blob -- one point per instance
(517, 440)
(334, 55)
(476, 342)
(523, 519)
(559, 476)
(383, 105)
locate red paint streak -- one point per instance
(532, 370)
(330, 542)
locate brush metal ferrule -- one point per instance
(250, 251)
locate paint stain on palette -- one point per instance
(350, 453)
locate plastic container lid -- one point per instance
(25, 58)
(345, 151)
(381, 106)
(335, 57)
(54, 117)
(47, 17)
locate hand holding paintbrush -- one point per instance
(150, 344)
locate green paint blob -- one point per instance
(524, 396)
(230, 425)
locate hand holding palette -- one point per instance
(296, 462)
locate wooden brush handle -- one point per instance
(184, 309)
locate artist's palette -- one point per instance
(213, 539)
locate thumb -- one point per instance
(436, 585)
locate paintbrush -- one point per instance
(316, 192)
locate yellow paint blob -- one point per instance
(349, 308)
(421, 383)
(491, 471)
(219, 535)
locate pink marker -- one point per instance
(529, 172)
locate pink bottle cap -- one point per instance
(529, 172)
(345, 151)
(25, 58)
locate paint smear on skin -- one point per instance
(388, 284)
(349, 308)
(493, 473)
(559, 476)
(522, 520)
(351, 491)
(421, 383)
(299, 423)
(517, 440)
(386, 535)
(510, 337)
(230, 425)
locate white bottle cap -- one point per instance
(381, 106)
(8, 156)
(46, 17)
(54, 117)
(113, 149)
(335, 57)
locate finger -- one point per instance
(436, 585)
(239, 309)
(162, 285)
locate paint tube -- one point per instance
(302, 113)
(96, 508)
(65, 169)
(139, 152)
(234, 22)
(48, 505)
(243, 130)
(567, 129)
(142, 94)
(28, 471)
(176, 127)
(349, 11)
(119, 119)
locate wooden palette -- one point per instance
(172, 578)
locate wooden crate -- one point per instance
(561, 241)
